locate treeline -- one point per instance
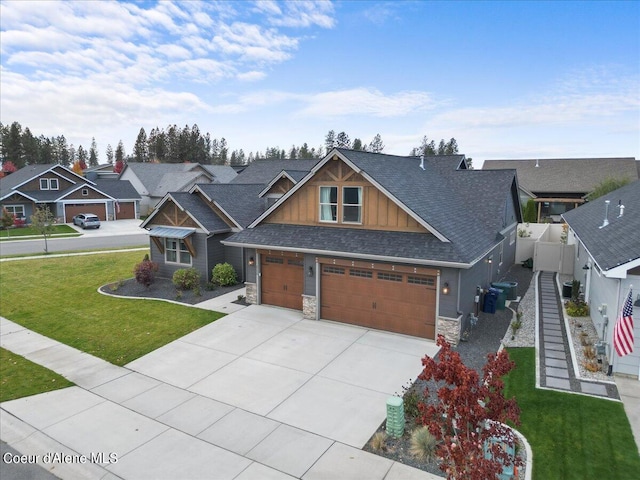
(173, 144)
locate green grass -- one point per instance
(16, 233)
(572, 436)
(58, 297)
(21, 378)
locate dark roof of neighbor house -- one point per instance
(200, 211)
(177, 182)
(617, 243)
(11, 183)
(465, 208)
(152, 175)
(239, 201)
(566, 175)
(263, 171)
(118, 189)
(221, 173)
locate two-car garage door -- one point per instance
(385, 300)
(393, 300)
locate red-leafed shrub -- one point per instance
(145, 272)
(19, 222)
(469, 410)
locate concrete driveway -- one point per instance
(114, 227)
(260, 393)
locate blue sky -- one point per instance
(506, 79)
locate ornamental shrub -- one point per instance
(186, 278)
(223, 274)
(577, 308)
(145, 272)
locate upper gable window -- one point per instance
(49, 184)
(44, 184)
(328, 204)
(53, 184)
(352, 204)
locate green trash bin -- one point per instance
(510, 289)
(502, 298)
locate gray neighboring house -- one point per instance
(607, 262)
(153, 181)
(66, 194)
(558, 185)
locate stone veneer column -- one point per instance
(449, 328)
(252, 293)
(309, 307)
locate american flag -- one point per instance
(623, 331)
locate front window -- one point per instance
(352, 204)
(53, 184)
(16, 210)
(176, 251)
(328, 204)
(44, 184)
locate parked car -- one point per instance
(86, 220)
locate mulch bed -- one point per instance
(164, 289)
(484, 338)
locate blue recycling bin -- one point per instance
(490, 301)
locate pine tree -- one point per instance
(330, 140)
(141, 148)
(93, 153)
(109, 154)
(376, 145)
(120, 152)
(82, 158)
(343, 140)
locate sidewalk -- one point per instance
(556, 370)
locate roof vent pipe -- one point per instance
(422, 162)
(621, 207)
(537, 164)
(606, 214)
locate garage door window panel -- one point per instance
(329, 204)
(352, 204)
(176, 252)
(391, 277)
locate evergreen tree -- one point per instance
(120, 153)
(357, 144)
(330, 140)
(451, 147)
(82, 158)
(30, 147)
(224, 152)
(62, 151)
(72, 154)
(141, 148)
(46, 153)
(109, 154)
(93, 153)
(12, 145)
(376, 145)
(343, 140)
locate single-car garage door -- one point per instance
(125, 210)
(282, 279)
(73, 209)
(386, 300)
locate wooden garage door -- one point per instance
(282, 279)
(127, 211)
(72, 210)
(385, 300)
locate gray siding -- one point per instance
(215, 252)
(449, 303)
(309, 281)
(199, 262)
(235, 256)
(251, 270)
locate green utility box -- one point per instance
(395, 417)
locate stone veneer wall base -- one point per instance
(449, 328)
(309, 307)
(252, 293)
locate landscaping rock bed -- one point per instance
(485, 338)
(164, 289)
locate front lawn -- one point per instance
(21, 378)
(58, 297)
(572, 436)
(27, 231)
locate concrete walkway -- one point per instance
(137, 426)
(556, 366)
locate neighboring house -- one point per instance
(607, 262)
(381, 241)
(66, 194)
(558, 185)
(153, 181)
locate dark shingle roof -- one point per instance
(221, 173)
(119, 189)
(262, 171)
(566, 175)
(350, 241)
(172, 175)
(240, 201)
(617, 243)
(199, 210)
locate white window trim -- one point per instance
(85, 192)
(359, 205)
(13, 207)
(321, 203)
(178, 251)
(501, 254)
(44, 184)
(51, 184)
